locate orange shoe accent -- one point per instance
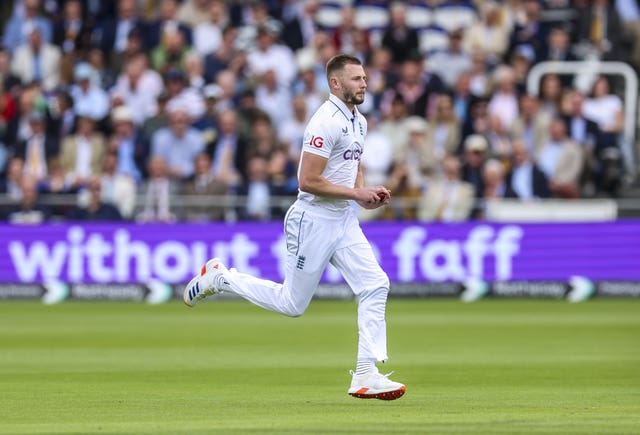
(389, 395)
(203, 270)
(215, 266)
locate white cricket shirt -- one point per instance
(337, 134)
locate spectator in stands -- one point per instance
(92, 207)
(193, 12)
(559, 46)
(10, 183)
(182, 95)
(532, 31)
(606, 109)
(88, 98)
(379, 75)
(113, 32)
(561, 160)
(393, 125)
(221, 59)
(163, 31)
(72, 34)
(139, 87)
(171, 53)
(521, 61)
(493, 177)
(194, 71)
(269, 55)
(291, 134)
(157, 191)
(38, 148)
(274, 99)
(475, 148)
(443, 132)
(133, 47)
(499, 140)
(19, 27)
(8, 79)
(418, 153)
(489, 34)
(204, 183)
(629, 13)
(480, 76)
(299, 23)
(81, 154)
(29, 210)
(600, 29)
(208, 122)
(504, 100)
(377, 159)
(399, 38)
(37, 60)
(307, 84)
(178, 144)
(447, 198)
(258, 190)
(525, 180)
(346, 35)
(131, 149)
(462, 98)
(550, 96)
(207, 33)
(229, 151)
(118, 189)
(451, 62)
(416, 94)
(532, 124)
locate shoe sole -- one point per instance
(185, 294)
(387, 395)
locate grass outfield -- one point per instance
(496, 366)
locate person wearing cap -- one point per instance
(88, 98)
(475, 148)
(183, 95)
(132, 149)
(37, 60)
(208, 122)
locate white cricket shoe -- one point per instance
(375, 385)
(211, 280)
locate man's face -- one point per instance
(353, 83)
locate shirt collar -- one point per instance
(343, 107)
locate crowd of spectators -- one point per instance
(108, 102)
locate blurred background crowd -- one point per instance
(168, 110)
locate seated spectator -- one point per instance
(488, 34)
(167, 25)
(8, 79)
(480, 74)
(10, 183)
(118, 189)
(416, 154)
(504, 100)
(451, 62)
(132, 149)
(379, 75)
(561, 160)
(39, 148)
(157, 121)
(393, 124)
(112, 32)
(499, 140)
(171, 53)
(599, 29)
(222, 58)
(443, 131)
(629, 13)
(532, 125)
(208, 122)
(88, 97)
(273, 99)
(605, 108)
(158, 191)
(377, 159)
(550, 97)
(22, 23)
(258, 190)
(269, 55)
(525, 180)
(82, 153)
(207, 34)
(183, 95)
(92, 207)
(228, 151)
(194, 71)
(37, 61)
(493, 177)
(291, 133)
(203, 183)
(346, 36)
(139, 86)
(307, 85)
(178, 144)
(559, 46)
(475, 149)
(192, 13)
(29, 210)
(448, 198)
(399, 38)
(532, 31)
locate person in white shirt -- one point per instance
(321, 227)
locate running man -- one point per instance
(321, 227)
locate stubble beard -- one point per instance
(353, 98)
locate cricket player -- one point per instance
(321, 227)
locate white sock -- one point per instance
(364, 366)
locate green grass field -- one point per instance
(496, 366)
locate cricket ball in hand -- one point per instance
(382, 196)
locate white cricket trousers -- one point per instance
(315, 237)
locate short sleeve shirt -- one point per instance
(337, 134)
